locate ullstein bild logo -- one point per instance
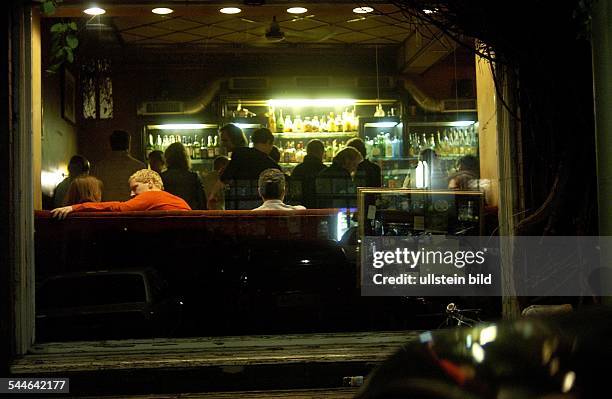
(432, 279)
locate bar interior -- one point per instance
(328, 73)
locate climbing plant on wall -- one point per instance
(64, 39)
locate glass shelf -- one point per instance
(314, 135)
(393, 158)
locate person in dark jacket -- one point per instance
(275, 154)
(179, 180)
(334, 186)
(368, 173)
(308, 170)
(247, 163)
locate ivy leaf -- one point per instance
(48, 7)
(55, 46)
(58, 27)
(58, 54)
(73, 25)
(53, 68)
(69, 54)
(72, 41)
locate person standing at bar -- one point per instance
(334, 186)
(157, 161)
(245, 163)
(211, 181)
(308, 170)
(180, 180)
(368, 173)
(117, 168)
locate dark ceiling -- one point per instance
(199, 26)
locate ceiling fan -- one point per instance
(275, 34)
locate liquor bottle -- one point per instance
(288, 125)
(338, 122)
(323, 124)
(280, 124)
(300, 153)
(369, 144)
(216, 148)
(331, 123)
(210, 151)
(438, 145)
(379, 111)
(346, 124)
(291, 152)
(307, 126)
(388, 146)
(149, 146)
(316, 125)
(298, 125)
(445, 144)
(204, 147)
(195, 148)
(271, 120)
(354, 120)
(396, 145)
(329, 153)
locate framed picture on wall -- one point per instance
(68, 96)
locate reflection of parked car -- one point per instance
(105, 305)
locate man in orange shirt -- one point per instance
(147, 195)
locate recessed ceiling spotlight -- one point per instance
(297, 10)
(362, 10)
(230, 10)
(162, 10)
(95, 11)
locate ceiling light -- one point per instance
(182, 126)
(303, 102)
(230, 10)
(297, 10)
(162, 10)
(95, 11)
(362, 10)
(461, 123)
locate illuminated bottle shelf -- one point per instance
(314, 135)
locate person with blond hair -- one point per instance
(84, 189)
(147, 191)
